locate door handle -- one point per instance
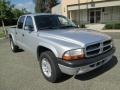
(16, 33)
(23, 35)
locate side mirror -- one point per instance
(29, 28)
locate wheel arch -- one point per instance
(42, 48)
(11, 37)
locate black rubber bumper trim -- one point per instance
(86, 61)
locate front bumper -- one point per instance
(86, 65)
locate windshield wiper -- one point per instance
(58, 27)
(43, 28)
(69, 26)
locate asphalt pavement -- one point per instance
(20, 71)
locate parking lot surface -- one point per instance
(20, 71)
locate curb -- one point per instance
(2, 38)
(109, 30)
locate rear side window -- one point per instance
(20, 22)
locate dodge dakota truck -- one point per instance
(59, 45)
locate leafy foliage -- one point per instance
(7, 10)
(112, 26)
(9, 14)
(44, 5)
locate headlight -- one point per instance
(76, 54)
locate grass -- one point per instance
(2, 34)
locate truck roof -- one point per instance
(35, 14)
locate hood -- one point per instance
(75, 36)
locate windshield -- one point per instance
(52, 22)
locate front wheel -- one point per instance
(49, 66)
(14, 48)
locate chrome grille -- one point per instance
(98, 48)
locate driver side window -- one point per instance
(29, 23)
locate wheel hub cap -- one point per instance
(11, 44)
(46, 67)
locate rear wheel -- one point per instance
(14, 48)
(49, 66)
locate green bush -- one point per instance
(117, 26)
(112, 26)
(82, 26)
(108, 26)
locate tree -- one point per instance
(8, 12)
(44, 5)
(5, 11)
(17, 13)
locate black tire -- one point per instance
(55, 71)
(14, 48)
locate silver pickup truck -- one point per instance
(59, 45)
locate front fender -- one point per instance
(13, 38)
(49, 46)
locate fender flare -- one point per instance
(46, 45)
(12, 37)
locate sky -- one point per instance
(28, 4)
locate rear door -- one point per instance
(19, 31)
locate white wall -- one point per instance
(57, 9)
(71, 2)
(106, 15)
(116, 13)
(111, 14)
(75, 16)
(83, 16)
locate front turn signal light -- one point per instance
(76, 54)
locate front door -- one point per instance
(28, 39)
(95, 16)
